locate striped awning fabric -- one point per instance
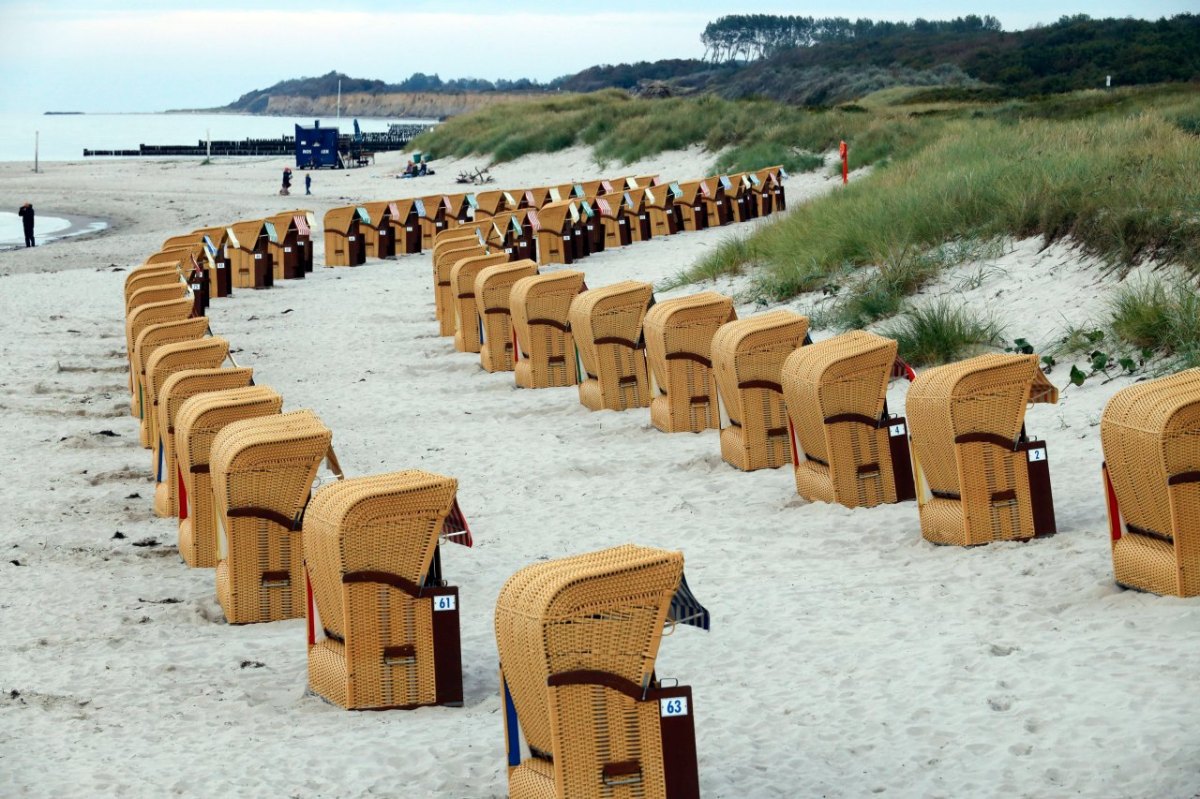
(685, 609)
(456, 529)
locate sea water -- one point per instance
(12, 231)
(63, 137)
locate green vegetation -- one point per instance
(942, 331)
(1159, 316)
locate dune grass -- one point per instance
(942, 331)
(1161, 316)
(749, 134)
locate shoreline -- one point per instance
(78, 226)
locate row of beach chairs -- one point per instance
(962, 452)
(360, 559)
(552, 224)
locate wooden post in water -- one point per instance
(37, 134)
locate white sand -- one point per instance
(847, 658)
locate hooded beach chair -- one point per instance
(344, 243)
(689, 205)
(607, 326)
(444, 261)
(718, 202)
(748, 357)
(772, 190)
(1150, 433)
(406, 223)
(591, 226)
(493, 288)
(986, 481)
(432, 217)
(578, 639)
(146, 276)
(216, 244)
(162, 292)
(845, 446)
(660, 205)
(379, 236)
(177, 389)
(390, 623)
(492, 203)
(615, 220)
(468, 336)
(197, 423)
(679, 335)
(291, 249)
(149, 340)
(554, 232)
(139, 319)
(251, 254)
(201, 353)
(540, 307)
(262, 473)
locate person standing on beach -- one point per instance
(26, 214)
(308, 184)
(287, 181)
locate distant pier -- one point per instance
(398, 137)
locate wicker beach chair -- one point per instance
(177, 389)
(679, 336)
(615, 219)
(468, 335)
(379, 236)
(138, 320)
(1150, 433)
(772, 187)
(406, 224)
(149, 340)
(344, 242)
(146, 276)
(201, 353)
(690, 205)
(162, 292)
(845, 446)
(660, 205)
(607, 326)
(391, 629)
(986, 481)
(492, 203)
(431, 215)
(493, 288)
(540, 307)
(250, 254)
(262, 473)
(197, 423)
(291, 249)
(218, 248)
(718, 202)
(578, 638)
(554, 233)
(747, 357)
(444, 262)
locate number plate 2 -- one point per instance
(1037, 454)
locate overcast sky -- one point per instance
(72, 55)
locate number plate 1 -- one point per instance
(445, 602)
(675, 706)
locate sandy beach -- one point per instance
(847, 658)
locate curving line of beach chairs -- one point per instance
(578, 637)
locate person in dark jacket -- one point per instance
(26, 214)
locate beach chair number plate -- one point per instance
(897, 430)
(675, 706)
(287, 249)
(258, 255)
(447, 602)
(1037, 454)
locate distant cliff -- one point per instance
(419, 105)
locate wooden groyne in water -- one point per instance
(397, 138)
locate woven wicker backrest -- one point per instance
(444, 261)
(153, 285)
(601, 611)
(161, 292)
(379, 212)
(183, 385)
(143, 276)
(750, 353)
(164, 257)
(268, 463)
(554, 216)
(247, 233)
(155, 313)
(383, 523)
(490, 203)
(684, 327)
(608, 312)
(847, 374)
(1150, 432)
(155, 336)
(985, 394)
(458, 236)
(204, 353)
(202, 416)
(545, 297)
(493, 284)
(466, 270)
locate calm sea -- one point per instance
(63, 137)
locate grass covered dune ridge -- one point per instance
(1113, 172)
